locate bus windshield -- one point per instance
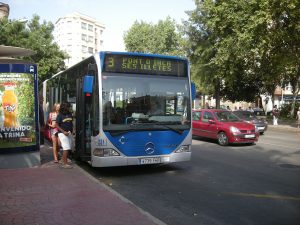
(144, 102)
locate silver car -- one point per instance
(250, 117)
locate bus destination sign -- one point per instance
(118, 63)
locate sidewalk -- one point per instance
(47, 195)
(284, 126)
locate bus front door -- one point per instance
(83, 123)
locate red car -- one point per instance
(224, 126)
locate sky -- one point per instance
(117, 15)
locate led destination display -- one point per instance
(118, 63)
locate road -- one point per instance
(233, 185)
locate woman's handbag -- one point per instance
(47, 130)
(47, 133)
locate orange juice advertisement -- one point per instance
(17, 112)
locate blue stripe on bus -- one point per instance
(134, 143)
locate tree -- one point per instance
(244, 44)
(37, 37)
(286, 20)
(161, 38)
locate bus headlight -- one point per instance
(183, 148)
(105, 152)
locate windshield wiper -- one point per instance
(120, 132)
(159, 123)
(171, 128)
(135, 125)
(166, 125)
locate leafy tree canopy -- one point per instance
(161, 38)
(247, 46)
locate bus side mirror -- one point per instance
(193, 90)
(88, 82)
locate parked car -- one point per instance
(259, 113)
(223, 126)
(250, 117)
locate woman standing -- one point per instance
(64, 124)
(53, 130)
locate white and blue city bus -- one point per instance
(111, 94)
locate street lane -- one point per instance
(248, 184)
(285, 149)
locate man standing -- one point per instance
(64, 124)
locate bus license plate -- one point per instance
(150, 160)
(249, 135)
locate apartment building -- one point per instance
(4, 10)
(79, 35)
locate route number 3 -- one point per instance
(111, 62)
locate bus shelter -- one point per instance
(19, 124)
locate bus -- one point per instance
(110, 94)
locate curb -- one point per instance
(284, 127)
(152, 218)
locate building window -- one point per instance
(90, 27)
(83, 26)
(83, 37)
(90, 39)
(91, 50)
(84, 49)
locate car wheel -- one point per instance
(222, 139)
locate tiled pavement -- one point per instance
(47, 195)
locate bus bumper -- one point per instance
(141, 160)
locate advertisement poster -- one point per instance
(17, 110)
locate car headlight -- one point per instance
(234, 130)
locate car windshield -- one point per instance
(247, 115)
(259, 112)
(226, 116)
